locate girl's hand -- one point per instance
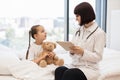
(44, 56)
(77, 50)
(37, 60)
(51, 54)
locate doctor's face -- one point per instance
(78, 19)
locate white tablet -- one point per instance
(65, 44)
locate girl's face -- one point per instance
(78, 18)
(41, 34)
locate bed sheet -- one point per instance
(108, 71)
(8, 78)
(13, 78)
(110, 65)
(117, 77)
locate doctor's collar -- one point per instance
(92, 30)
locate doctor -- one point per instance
(89, 40)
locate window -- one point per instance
(72, 20)
(55, 15)
(19, 15)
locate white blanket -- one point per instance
(28, 70)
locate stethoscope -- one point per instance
(78, 32)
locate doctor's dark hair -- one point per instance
(85, 10)
(32, 31)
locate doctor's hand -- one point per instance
(76, 50)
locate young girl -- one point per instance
(38, 33)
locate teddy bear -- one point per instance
(48, 48)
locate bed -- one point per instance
(7, 78)
(110, 65)
(12, 68)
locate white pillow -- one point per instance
(7, 58)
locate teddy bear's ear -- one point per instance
(43, 44)
(54, 45)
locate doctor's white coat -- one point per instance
(93, 50)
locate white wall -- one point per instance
(113, 24)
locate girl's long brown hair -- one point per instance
(31, 34)
(28, 45)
